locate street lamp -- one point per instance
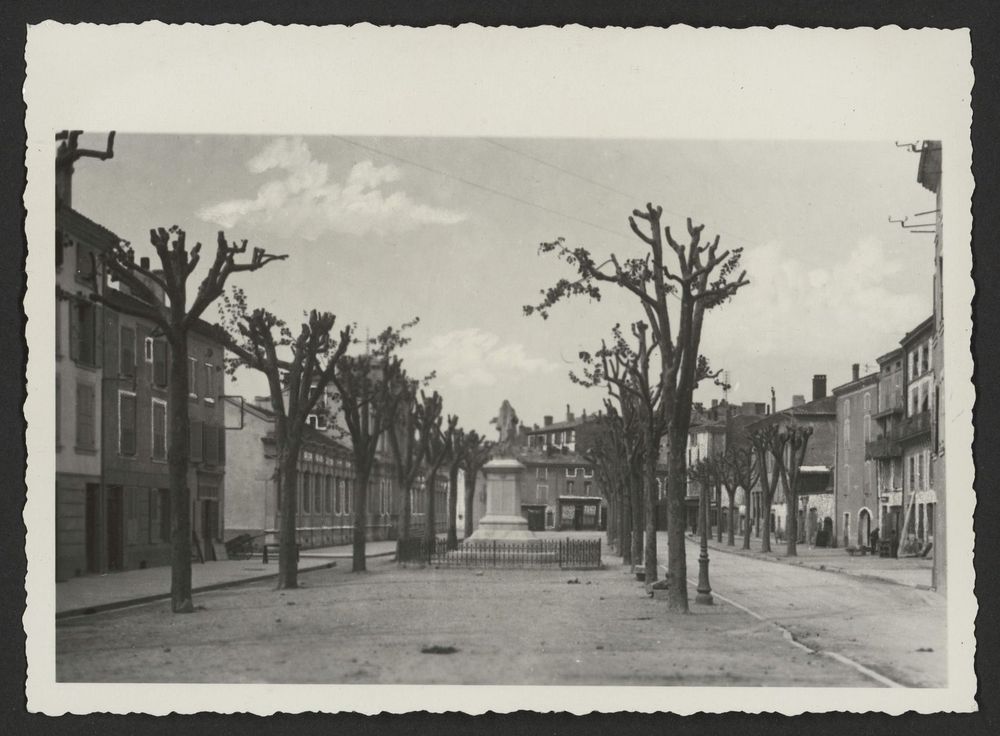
(704, 587)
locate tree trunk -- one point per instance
(470, 500)
(635, 483)
(178, 459)
(748, 528)
(731, 527)
(358, 561)
(288, 476)
(718, 512)
(791, 524)
(649, 512)
(612, 521)
(677, 593)
(453, 507)
(765, 523)
(407, 520)
(625, 535)
(430, 527)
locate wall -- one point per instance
(855, 476)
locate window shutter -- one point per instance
(74, 330)
(127, 428)
(97, 315)
(222, 445)
(159, 363)
(196, 440)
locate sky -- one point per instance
(381, 230)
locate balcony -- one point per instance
(882, 449)
(914, 426)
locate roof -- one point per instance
(827, 406)
(894, 353)
(913, 334)
(852, 385)
(67, 217)
(557, 458)
(556, 426)
(309, 434)
(122, 300)
(929, 166)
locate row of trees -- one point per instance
(652, 382)
(775, 453)
(366, 391)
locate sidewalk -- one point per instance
(93, 593)
(914, 572)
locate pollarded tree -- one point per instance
(408, 448)
(437, 449)
(475, 451)
(738, 470)
(369, 388)
(298, 371)
(700, 277)
(163, 300)
(769, 447)
(797, 439)
(454, 464)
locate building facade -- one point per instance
(856, 485)
(884, 449)
(82, 542)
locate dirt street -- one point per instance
(898, 631)
(501, 627)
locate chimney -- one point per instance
(569, 414)
(546, 420)
(144, 263)
(855, 372)
(774, 404)
(584, 416)
(819, 386)
(798, 400)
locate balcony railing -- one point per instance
(882, 448)
(914, 426)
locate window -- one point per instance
(587, 487)
(541, 473)
(305, 490)
(559, 438)
(317, 421)
(588, 472)
(328, 505)
(85, 344)
(569, 488)
(338, 496)
(847, 407)
(192, 377)
(159, 432)
(318, 493)
(541, 490)
(126, 353)
(868, 428)
(159, 363)
(126, 423)
(868, 401)
(86, 264)
(147, 349)
(847, 432)
(85, 416)
(913, 473)
(868, 477)
(570, 472)
(847, 478)
(209, 383)
(348, 489)
(570, 436)
(925, 396)
(920, 472)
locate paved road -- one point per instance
(883, 626)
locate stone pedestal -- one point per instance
(503, 520)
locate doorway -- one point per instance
(864, 528)
(92, 521)
(114, 528)
(209, 527)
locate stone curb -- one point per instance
(141, 600)
(713, 545)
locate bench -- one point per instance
(276, 547)
(852, 551)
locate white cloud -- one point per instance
(304, 202)
(474, 357)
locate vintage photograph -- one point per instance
(314, 452)
(393, 409)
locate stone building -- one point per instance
(82, 539)
(856, 485)
(883, 449)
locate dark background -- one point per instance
(981, 16)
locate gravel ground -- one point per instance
(505, 627)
